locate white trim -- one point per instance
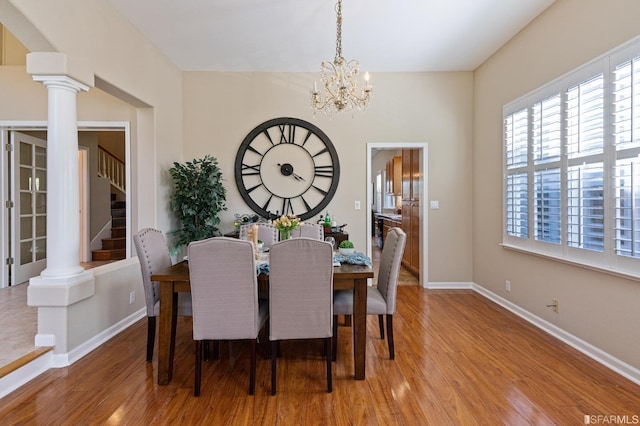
(609, 361)
(45, 340)
(450, 286)
(24, 374)
(4, 215)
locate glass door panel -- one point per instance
(30, 204)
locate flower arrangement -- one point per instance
(286, 224)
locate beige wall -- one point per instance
(220, 109)
(12, 52)
(599, 308)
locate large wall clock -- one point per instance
(287, 166)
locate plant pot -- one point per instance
(347, 251)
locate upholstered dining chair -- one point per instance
(309, 230)
(300, 296)
(267, 233)
(381, 300)
(224, 288)
(153, 255)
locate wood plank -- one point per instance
(460, 359)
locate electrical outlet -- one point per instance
(556, 306)
(132, 297)
(507, 285)
(356, 205)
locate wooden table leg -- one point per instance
(167, 331)
(359, 327)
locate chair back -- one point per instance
(300, 289)
(224, 289)
(309, 230)
(390, 261)
(153, 255)
(267, 232)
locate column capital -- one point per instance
(61, 82)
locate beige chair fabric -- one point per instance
(381, 300)
(300, 295)
(267, 233)
(224, 289)
(153, 255)
(309, 230)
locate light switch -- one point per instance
(356, 205)
(435, 204)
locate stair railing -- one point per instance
(111, 168)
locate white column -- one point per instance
(63, 235)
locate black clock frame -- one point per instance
(286, 169)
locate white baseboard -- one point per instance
(575, 342)
(449, 286)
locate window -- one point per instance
(572, 165)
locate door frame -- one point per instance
(17, 125)
(424, 229)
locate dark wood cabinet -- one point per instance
(411, 184)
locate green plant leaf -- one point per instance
(198, 197)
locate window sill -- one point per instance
(585, 265)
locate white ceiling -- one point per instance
(296, 35)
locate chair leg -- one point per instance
(380, 323)
(252, 374)
(274, 355)
(196, 384)
(392, 354)
(334, 354)
(216, 349)
(151, 336)
(206, 350)
(328, 345)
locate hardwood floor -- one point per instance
(460, 359)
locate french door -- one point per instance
(28, 195)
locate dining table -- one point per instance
(175, 279)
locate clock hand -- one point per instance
(298, 177)
(287, 170)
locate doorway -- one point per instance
(422, 147)
(23, 175)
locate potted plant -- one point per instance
(346, 248)
(260, 245)
(198, 198)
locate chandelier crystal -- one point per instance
(339, 80)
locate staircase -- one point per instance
(114, 248)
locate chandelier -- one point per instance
(339, 80)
